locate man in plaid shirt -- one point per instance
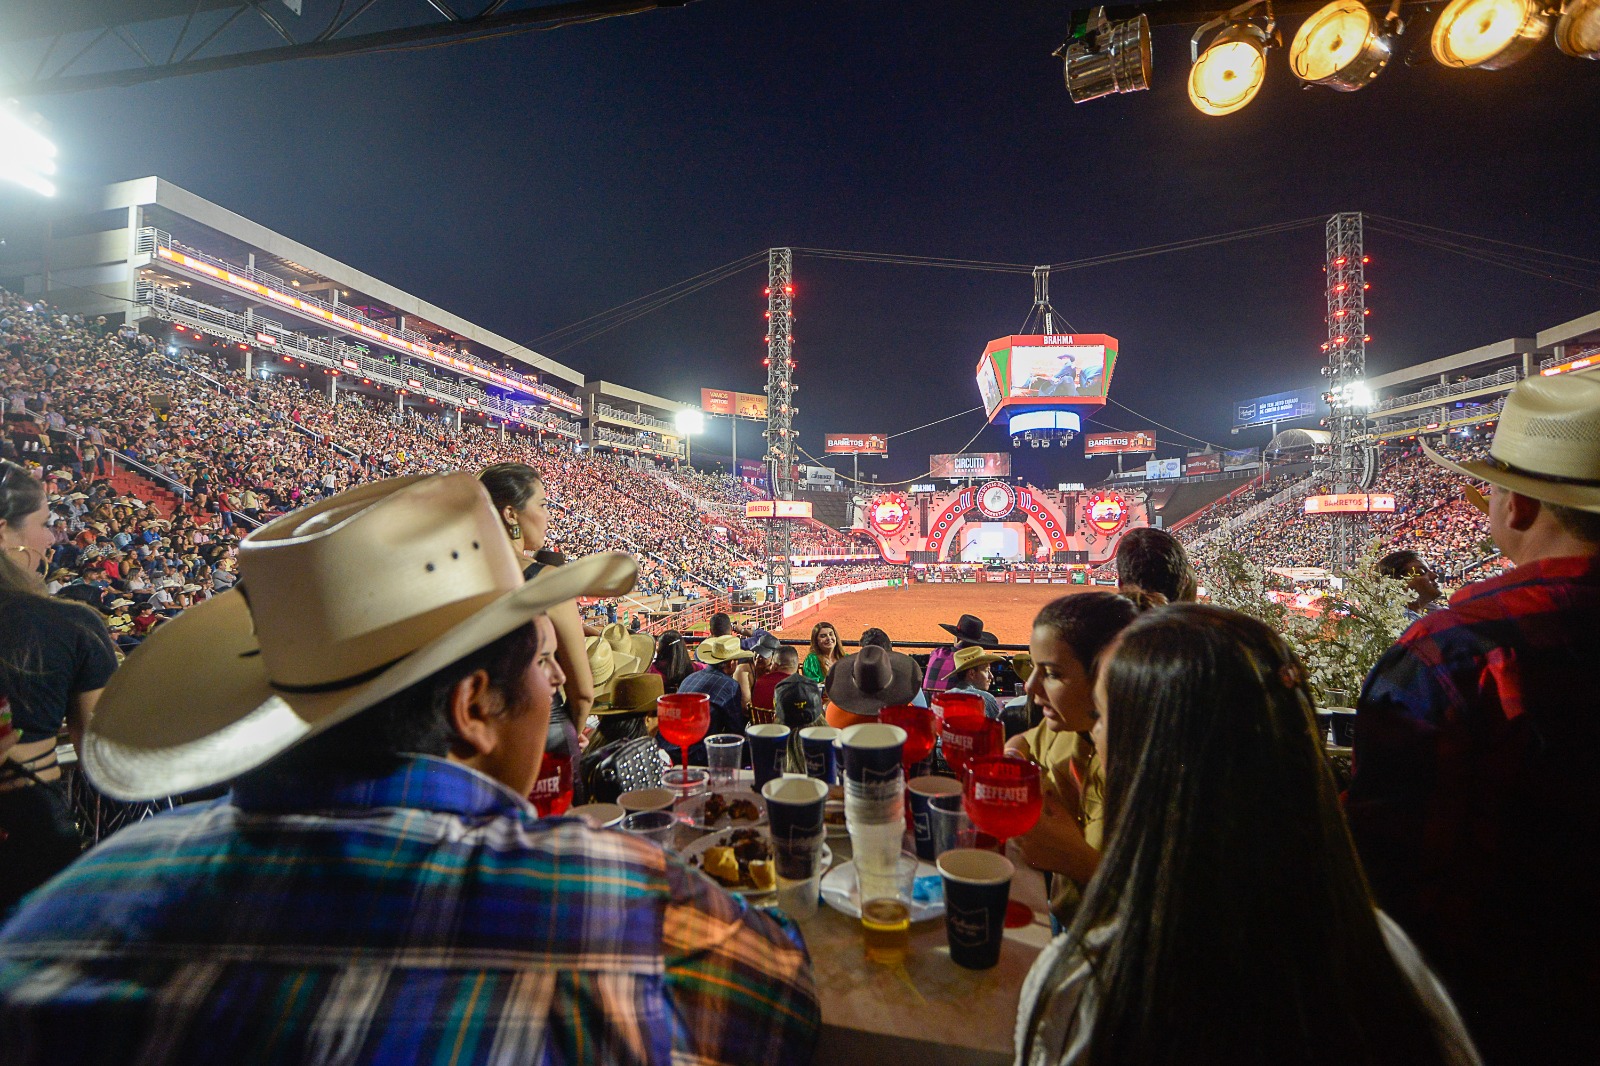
(379, 891)
(1475, 801)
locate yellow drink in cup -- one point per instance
(886, 930)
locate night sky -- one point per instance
(528, 182)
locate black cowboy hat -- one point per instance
(969, 628)
(873, 679)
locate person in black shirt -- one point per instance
(55, 657)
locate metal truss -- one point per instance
(74, 45)
(1348, 464)
(780, 410)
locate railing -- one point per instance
(634, 440)
(1440, 418)
(174, 307)
(1255, 511)
(1505, 376)
(614, 414)
(152, 473)
(1585, 356)
(152, 241)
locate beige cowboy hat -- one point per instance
(971, 656)
(1547, 444)
(351, 600)
(606, 665)
(635, 694)
(714, 651)
(641, 646)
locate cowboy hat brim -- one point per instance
(193, 707)
(984, 639)
(904, 684)
(1560, 493)
(986, 659)
(736, 657)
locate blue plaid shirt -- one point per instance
(426, 916)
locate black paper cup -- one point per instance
(769, 745)
(822, 757)
(922, 790)
(794, 819)
(977, 885)
(1344, 728)
(872, 770)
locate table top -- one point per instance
(931, 1008)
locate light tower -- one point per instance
(1348, 465)
(780, 410)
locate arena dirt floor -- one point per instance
(913, 613)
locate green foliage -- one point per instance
(1340, 640)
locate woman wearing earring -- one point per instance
(55, 657)
(518, 494)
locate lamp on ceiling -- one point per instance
(1488, 34)
(1578, 32)
(1229, 73)
(1107, 57)
(1343, 46)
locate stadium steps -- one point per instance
(1195, 496)
(127, 483)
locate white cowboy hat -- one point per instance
(723, 649)
(606, 664)
(641, 646)
(350, 601)
(973, 655)
(1547, 444)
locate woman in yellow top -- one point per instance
(1068, 636)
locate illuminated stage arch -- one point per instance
(1024, 499)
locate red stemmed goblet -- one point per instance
(958, 706)
(919, 724)
(1003, 798)
(684, 718)
(964, 739)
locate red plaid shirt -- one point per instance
(1476, 803)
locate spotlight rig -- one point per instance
(1341, 45)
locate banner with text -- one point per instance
(1119, 443)
(1351, 503)
(970, 464)
(1203, 463)
(738, 404)
(1158, 469)
(777, 509)
(855, 443)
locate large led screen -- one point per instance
(1025, 372)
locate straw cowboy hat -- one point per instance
(714, 651)
(969, 627)
(872, 679)
(641, 646)
(1547, 444)
(350, 601)
(972, 656)
(606, 664)
(635, 694)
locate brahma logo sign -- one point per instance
(1106, 511)
(889, 514)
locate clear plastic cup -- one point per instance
(724, 753)
(652, 825)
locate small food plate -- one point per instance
(694, 852)
(841, 891)
(694, 809)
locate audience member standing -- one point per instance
(1476, 795)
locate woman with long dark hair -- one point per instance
(672, 660)
(55, 657)
(825, 651)
(519, 499)
(1229, 920)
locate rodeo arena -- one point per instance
(375, 688)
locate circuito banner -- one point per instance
(855, 443)
(1124, 443)
(970, 464)
(737, 404)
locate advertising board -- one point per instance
(1351, 503)
(1124, 443)
(1203, 463)
(1156, 469)
(970, 464)
(855, 443)
(1279, 407)
(777, 509)
(1240, 459)
(738, 404)
(1040, 370)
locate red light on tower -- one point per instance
(788, 290)
(1339, 262)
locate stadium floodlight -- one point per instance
(1343, 46)
(1578, 32)
(1488, 34)
(1230, 72)
(27, 157)
(1109, 57)
(690, 422)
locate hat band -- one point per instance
(1506, 468)
(333, 686)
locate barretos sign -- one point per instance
(1119, 443)
(855, 444)
(777, 509)
(889, 514)
(1351, 503)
